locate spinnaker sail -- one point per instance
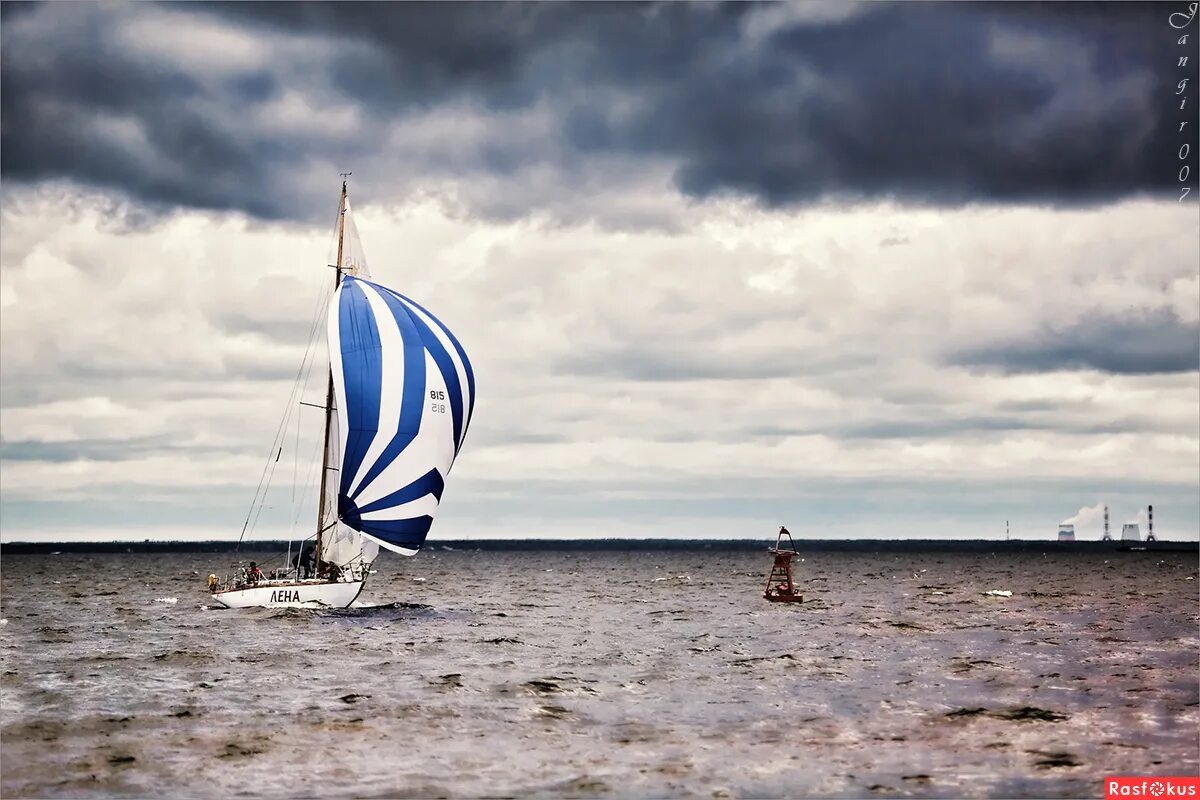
(405, 392)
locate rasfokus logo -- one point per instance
(1152, 787)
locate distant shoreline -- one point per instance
(591, 545)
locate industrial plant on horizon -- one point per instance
(1130, 531)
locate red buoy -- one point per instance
(780, 588)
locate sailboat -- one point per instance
(398, 403)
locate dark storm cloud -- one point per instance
(54, 101)
(1135, 344)
(938, 103)
(947, 103)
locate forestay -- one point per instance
(340, 544)
(405, 392)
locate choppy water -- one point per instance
(608, 674)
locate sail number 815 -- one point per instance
(436, 406)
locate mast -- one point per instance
(337, 280)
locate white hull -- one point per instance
(292, 594)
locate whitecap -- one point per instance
(171, 600)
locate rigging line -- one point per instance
(313, 330)
(263, 504)
(331, 251)
(295, 477)
(306, 364)
(268, 469)
(271, 472)
(309, 359)
(308, 481)
(313, 460)
(308, 478)
(264, 481)
(297, 386)
(279, 431)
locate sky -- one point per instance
(869, 270)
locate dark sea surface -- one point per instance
(604, 674)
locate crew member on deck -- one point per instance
(254, 575)
(329, 571)
(304, 562)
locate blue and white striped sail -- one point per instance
(405, 392)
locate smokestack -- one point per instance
(1150, 533)
(1107, 535)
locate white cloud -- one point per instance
(195, 42)
(772, 18)
(760, 351)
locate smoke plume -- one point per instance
(1088, 520)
